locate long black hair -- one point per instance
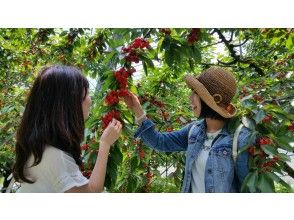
(53, 116)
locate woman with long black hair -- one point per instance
(48, 153)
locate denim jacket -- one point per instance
(221, 174)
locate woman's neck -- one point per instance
(213, 125)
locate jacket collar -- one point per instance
(202, 127)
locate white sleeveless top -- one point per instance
(57, 172)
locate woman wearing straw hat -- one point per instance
(207, 142)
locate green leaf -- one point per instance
(249, 123)
(263, 129)
(259, 116)
(134, 162)
(196, 54)
(159, 45)
(169, 58)
(121, 183)
(250, 181)
(248, 102)
(166, 43)
(147, 61)
(275, 40)
(128, 116)
(270, 150)
(284, 157)
(289, 42)
(252, 137)
(109, 57)
(116, 155)
(145, 68)
(133, 89)
(6, 109)
(233, 124)
(132, 183)
(279, 180)
(265, 184)
(107, 84)
(281, 131)
(284, 143)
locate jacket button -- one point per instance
(225, 152)
(209, 171)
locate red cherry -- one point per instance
(291, 127)
(141, 154)
(166, 31)
(251, 150)
(165, 115)
(276, 158)
(257, 97)
(131, 70)
(149, 175)
(85, 147)
(194, 35)
(123, 92)
(106, 119)
(267, 118)
(87, 174)
(261, 155)
(264, 141)
(112, 98)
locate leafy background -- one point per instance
(262, 60)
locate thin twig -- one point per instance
(238, 45)
(148, 33)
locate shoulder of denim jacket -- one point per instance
(194, 124)
(199, 122)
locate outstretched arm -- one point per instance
(167, 141)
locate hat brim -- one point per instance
(203, 93)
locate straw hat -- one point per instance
(216, 87)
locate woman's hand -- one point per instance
(96, 181)
(133, 103)
(111, 133)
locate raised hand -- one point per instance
(112, 132)
(133, 103)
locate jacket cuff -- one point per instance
(146, 124)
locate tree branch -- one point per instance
(227, 64)
(227, 43)
(277, 99)
(289, 170)
(244, 42)
(231, 38)
(215, 64)
(209, 45)
(234, 55)
(148, 33)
